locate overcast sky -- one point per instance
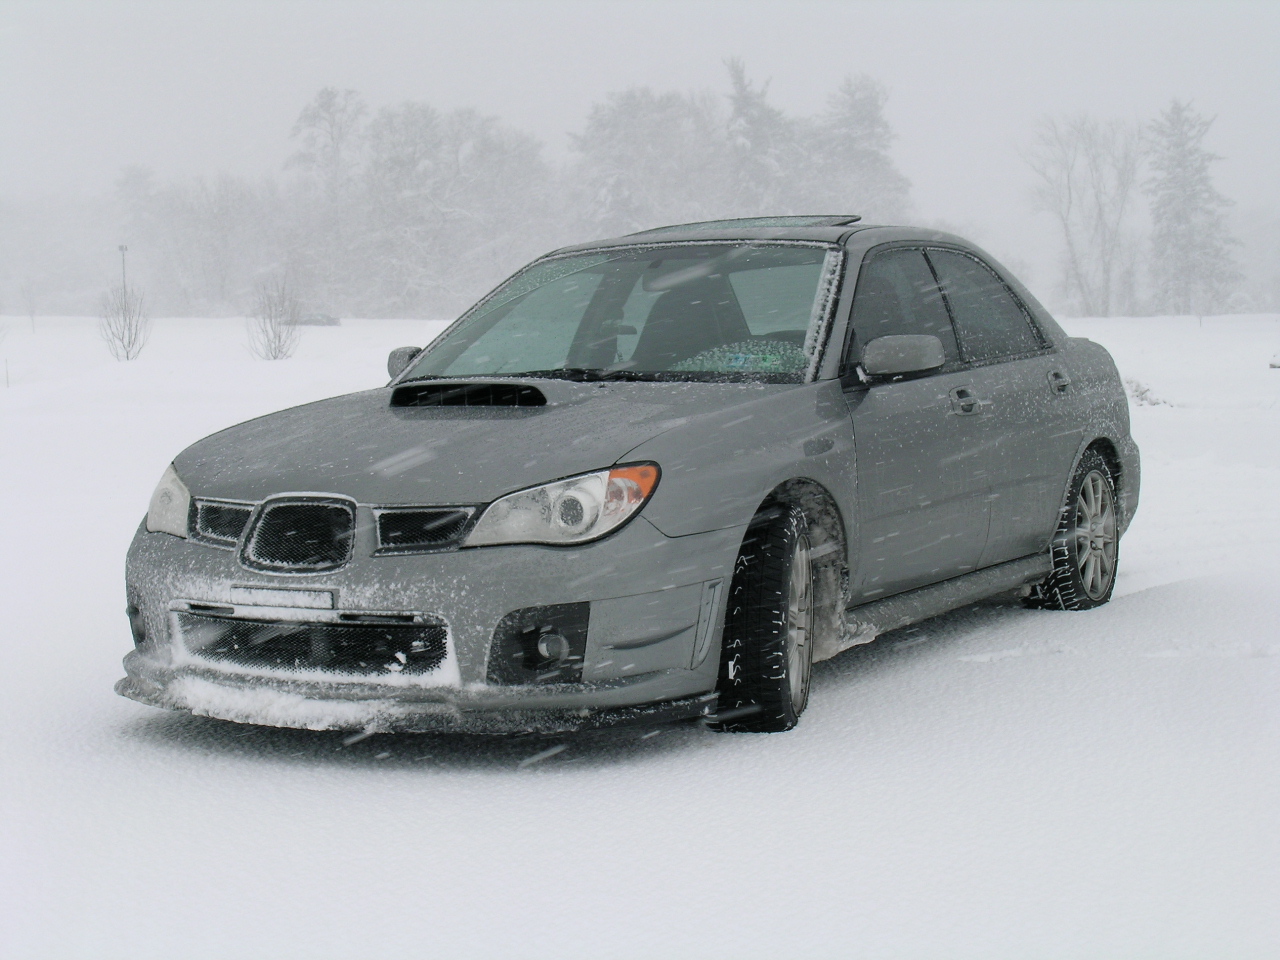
(198, 88)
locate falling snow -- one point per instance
(996, 782)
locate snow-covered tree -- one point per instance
(415, 211)
(852, 149)
(770, 163)
(451, 202)
(1191, 260)
(651, 158)
(646, 158)
(204, 241)
(328, 131)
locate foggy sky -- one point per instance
(201, 88)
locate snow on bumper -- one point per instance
(655, 605)
(317, 707)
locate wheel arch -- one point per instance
(1124, 474)
(1107, 449)
(1111, 455)
(828, 536)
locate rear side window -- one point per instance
(990, 323)
(897, 294)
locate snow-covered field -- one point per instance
(998, 783)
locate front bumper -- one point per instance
(651, 655)
(282, 703)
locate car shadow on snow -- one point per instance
(941, 638)
(522, 753)
(527, 753)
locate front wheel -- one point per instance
(1086, 546)
(766, 654)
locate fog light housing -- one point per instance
(540, 645)
(553, 647)
(137, 626)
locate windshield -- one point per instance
(710, 311)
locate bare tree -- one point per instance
(273, 331)
(1086, 177)
(124, 325)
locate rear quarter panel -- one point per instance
(1104, 408)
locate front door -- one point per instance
(921, 463)
(1030, 422)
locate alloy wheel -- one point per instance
(1095, 535)
(799, 620)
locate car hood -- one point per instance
(362, 447)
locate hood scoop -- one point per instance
(450, 394)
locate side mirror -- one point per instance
(904, 353)
(400, 358)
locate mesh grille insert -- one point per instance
(405, 530)
(221, 522)
(363, 648)
(302, 535)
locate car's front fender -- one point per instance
(717, 468)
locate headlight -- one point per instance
(568, 511)
(170, 505)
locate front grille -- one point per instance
(352, 648)
(404, 531)
(220, 522)
(302, 535)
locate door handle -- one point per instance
(1059, 382)
(965, 404)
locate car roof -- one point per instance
(751, 223)
(822, 228)
(828, 228)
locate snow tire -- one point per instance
(766, 653)
(1086, 534)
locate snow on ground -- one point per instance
(995, 783)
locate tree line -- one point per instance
(1092, 175)
(412, 211)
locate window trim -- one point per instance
(826, 299)
(848, 363)
(1046, 345)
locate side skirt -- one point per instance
(864, 623)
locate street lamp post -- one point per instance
(124, 277)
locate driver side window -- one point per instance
(897, 294)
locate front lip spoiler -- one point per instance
(242, 703)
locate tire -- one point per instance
(1085, 548)
(766, 654)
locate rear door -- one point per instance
(922, 471)
(1029, 422)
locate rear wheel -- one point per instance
(1086, 546)
(766, 655)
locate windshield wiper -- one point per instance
(585, 374)
(577, 374)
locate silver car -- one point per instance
(644, 479)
